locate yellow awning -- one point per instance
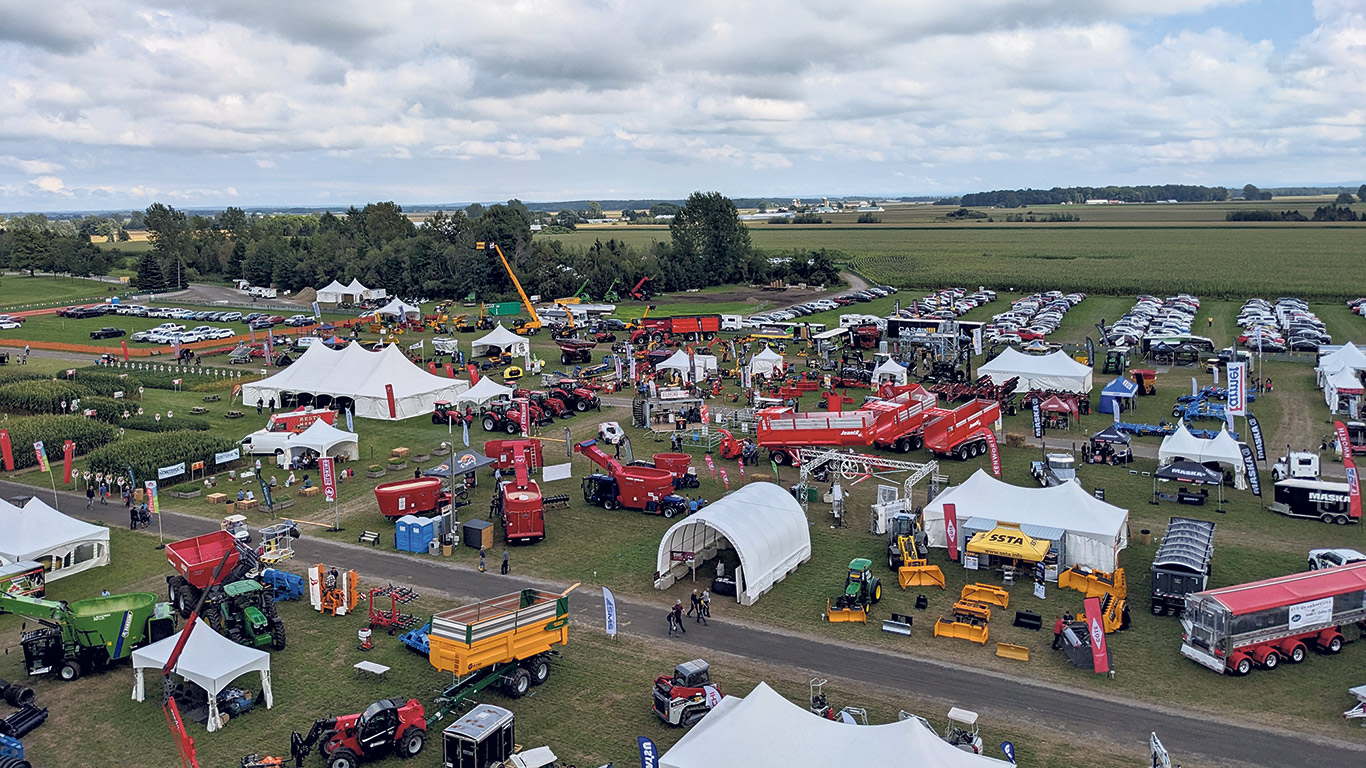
(1006, 540)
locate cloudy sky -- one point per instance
(119, 103)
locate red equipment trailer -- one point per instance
(647, 489)
(203, 560)
(523, 506)
(1262, 623)
(960, 433)
(504, 452)
(692, 327)
(575, 350)
(415, 496)
(894, 424)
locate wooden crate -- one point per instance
(248, 504)
(311, 491)
(217, 498)
(399, 453)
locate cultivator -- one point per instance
(981, 389)
(392, 619)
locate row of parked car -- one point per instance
(1358, 306)
(1286, 325)
(1031, 318)
(170, 333)
(1151, 316)
(819, 305)
(948, 303)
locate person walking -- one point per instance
(505, 561)
(104, 493)
(701, 611)
(483, 553)
(673, 623)
(132, 515)
(271, 403)
(259, 405)
(1058, 626)
(89, 496)
(706, 605)
(678, 615)
(695, 603)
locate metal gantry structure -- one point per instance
(852, 466)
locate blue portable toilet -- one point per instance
(1110, 396)
(422, 534)
(404, 528)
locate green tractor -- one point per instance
(88, 635)
(861, 590)
(237, 605)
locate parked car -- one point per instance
(8, 324)
(261, 323)
(107, 332)
(300, 321)
(221, 333)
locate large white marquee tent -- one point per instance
(501, 338)
(355, 377)
(763, 524)
(1094, 532)
(1054, 371)
(64, 545)
(1222, 449)
(208, 660)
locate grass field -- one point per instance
(19, 292)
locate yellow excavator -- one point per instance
(906, 545)
(527, 327)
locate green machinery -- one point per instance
(237, 605)
(88, 635)
(861, 590)
(611, 296)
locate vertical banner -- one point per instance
(350, 427)
(1350, 465)
(1195, 388)
(649, 754)
(1250, 465)
(977, 340)
(327, 477)
(317, 311)
(270, 347)
(711, 466)
(124, 344)
(1100, 655)
(431, 367)
(1038, 420)
(1009, 750)
(465, 432)
(1237, 389)
(153, 500)
(41, 453)
(526, 417)
(1215, 371)
(389, 395)
(265, 491)
(1090, 360)
(609, 608)
(1258, 444)
(6, 450)
(450, 371)
(616, 365)
(473, 371)
(995, 453)
(68, 454)
(725, 479)
(951, 530)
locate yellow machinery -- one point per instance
(534, 324)
(861, 590)
(986, 593)
(971, 609)
(331, 590)
(1012, 651)
(1111, 588)
(905, 543)
(961, 630)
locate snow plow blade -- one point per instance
(961, 630)
(844, 615)
(920, 574)
(986, 593)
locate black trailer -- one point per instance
(1182, 563)
(1316, 499)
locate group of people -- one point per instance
(483, 560)
(700, 610)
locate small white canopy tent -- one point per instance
(890, 370)
(332, 293)
(763, 524)
(360, 292)
(333, 376)
(1349, 358)
(1054, 371)
(1223, 449)
(397, 308)
(483, 391)
(325, 440)
(679, 361)
(766, 362)
(64, 545)
(502, 339)
(772, 732)
(1095, 532)
(208, 660)
(1340, 388)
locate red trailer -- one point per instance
(1263, 623)
(523, 506)
(415, 496)
(197, 558)
(895, 424)
(692, 327)
(961, 433)
(504, 452)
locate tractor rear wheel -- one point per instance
(411, 742)
(516, 684)
(877, 591)
(489, 424)
(342, 758)
(71, 670)
(580, 405)
(277, 636)
(539, 669)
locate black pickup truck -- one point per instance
(107, 333)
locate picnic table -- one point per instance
(233, 415)
(198, 410)
(371, 667)
(213, 398)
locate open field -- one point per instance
(21, 292)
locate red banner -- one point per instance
(431, 367)
(710, 466)
(951, 530)
(526, 417)
(68, 454)
(450, 372)
(328, 478)
(474, 373)
(1350, 465)
(124, 342)
(1095, 626)
(995, 453)
(389, 393)
(725, 479)
(6, 450)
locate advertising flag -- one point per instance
(725, 479)
(649, 754)
(1349, 464)
(68, 453)
(1195, 388)
(1009, 750)
(1250, 464)
(327, 476)
(526, 417)
(741, 464)
(710, 466)
(6, 450)
(270, 346)
(431, 367)
(995, 453)
(951, 530)
(265, 491)
(153, 501)
(349, 426)
(473, 371)
(977, 340)
(389, 395)
(609, 607)
(1100, 655)
(124, 344)
(41, 453)
(317, 311)
(465, 432)
(1090, 351)
(1237, 389)
(1038, 419)
(450, 371)
(1258, 444)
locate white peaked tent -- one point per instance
(1054, 371)
(1340, 388)
(325, 440)
(766, 362)
(1348, 358)
(1223, 449)
(503, 339)
(398, 308)
(332, 293)
(763, 524)
(890, 370)
(679, 361)
(771, 732)
(1094, 532)
(360, 376)
(484, 390)
(208, 660)
(354, 288)
(64, 545)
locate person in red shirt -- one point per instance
(1057, 631)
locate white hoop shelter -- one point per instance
(763, 524)
(1094, 532)
(772, 732)
(501, 338)
(329, 376)
(1055, 371)
(62, 544)
(208, 660)
(1223, 449)
(766, 362)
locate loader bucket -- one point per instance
(844, 615)
(918, 574)
(961, 630)
(1011, 651)
(986, 593)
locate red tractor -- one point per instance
(687, 696)
(551, 406)
(576, 395)
(443, 411)
(385, 726)
(508, 417)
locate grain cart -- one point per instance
(647, 489)
(237, 606)
(960, 433)
(88, 635)
(1231, 629)
(508, 641)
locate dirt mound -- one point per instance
(307, 295)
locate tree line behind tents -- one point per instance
(1021, 198)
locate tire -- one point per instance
(411, 742)
(19, 695)
(277, 636)
(917, 442)
(517, 684)
(1272, 660)
(70, 670)
(436, 418)
(877, 592)
(539, 669)
(1243, 667)
(4, 686)
(342, 758)
(903, 445)
(1327, 519)
(581, 405)
(779, 458)
(1335, 645)
(961, 454)
(510, 428)
(609, 504)
(490, 425)
(891, 562)
(1297, 654)
(1340, 519)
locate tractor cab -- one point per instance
(1116, 360)
(961, 731)
(688, 696)
(860, 574)
(692, 674)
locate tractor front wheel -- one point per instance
(489, 425)
(511, 428)
(581, 405)
(609, 504)
(411, 742)
(342, 758)
(71, 670)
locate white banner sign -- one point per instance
(1311, 613)
(609, 606)
(1237, 389)
(227, 456)
(970, 562)
(552, 472)
(171, 471)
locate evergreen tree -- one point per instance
(150, 276)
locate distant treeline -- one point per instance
(1020, 198)
(1322, 213)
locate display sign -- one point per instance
(609, 607)
(171, 471)
(328, 477)
(227, 456)
(951, 530)
(1237, 389)
(1100, 655)
(969, 561)
(1312, 613)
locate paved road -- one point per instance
(1186, 734)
